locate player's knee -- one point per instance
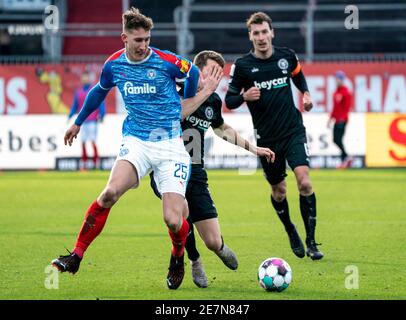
(213, 243)
(279, 192)
(172, 221)
(109, 197)
(305, 187)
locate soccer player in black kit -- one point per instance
(264, 76)
(199, 205)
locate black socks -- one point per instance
(308, 211)
(282, 209)
(190, 245)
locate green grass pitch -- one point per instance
(361, 225)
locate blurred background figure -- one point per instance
(89, 128)
(342, 101)
(54, 95)
(5, 42)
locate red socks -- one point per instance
(96, 154)
(179, 239)
(95, 219)
(84, 154)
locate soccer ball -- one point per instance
(274, 274)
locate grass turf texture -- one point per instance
(361, 222)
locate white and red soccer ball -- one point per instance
(274, 274)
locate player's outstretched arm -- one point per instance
(208, 84)
(71, 134)
(93, 100)
(232, 136)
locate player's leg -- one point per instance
(122, 177)
(338, 134)
(198, 274)
(204, 215)
(93, 139)
(84, 156)
(209, 231)
(171, 166)
(84, 137)
(95, 155)
(298, 159)
(275, 174)
(173, 207)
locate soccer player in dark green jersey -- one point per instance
(261, 78)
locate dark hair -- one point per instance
(134, 19)
(258, 18)
(201, 58)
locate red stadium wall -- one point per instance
(44, 89)
(89, 12)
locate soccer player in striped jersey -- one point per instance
(145, 77)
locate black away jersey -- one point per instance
(195, 126)
(274, 115)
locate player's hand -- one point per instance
(329, 123)
(252, 94)
(210, 79)
(307, 101)
(71, 134)
(267, 153)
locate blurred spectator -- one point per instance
(5, 41)
(89, 127)
(342, 100)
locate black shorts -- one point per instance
(201, 205)
(292, 150)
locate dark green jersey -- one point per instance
(274, 115)
(195, 126)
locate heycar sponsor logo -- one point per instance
(274, 83)
(198, 122)
(129, 88)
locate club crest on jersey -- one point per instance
(151, 74)
(124, 152)
(283, 64)
(129, 88)
(209, 113)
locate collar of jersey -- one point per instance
(138, 62)
(260, 59)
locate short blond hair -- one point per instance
(134, 19)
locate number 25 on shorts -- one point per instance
(181, 171)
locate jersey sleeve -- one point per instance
(218, 117)
(177, 66)
(295, 65)
(106, 78)
(236, 82)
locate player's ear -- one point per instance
(250, 36)
(272, 34)
(124, 37)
